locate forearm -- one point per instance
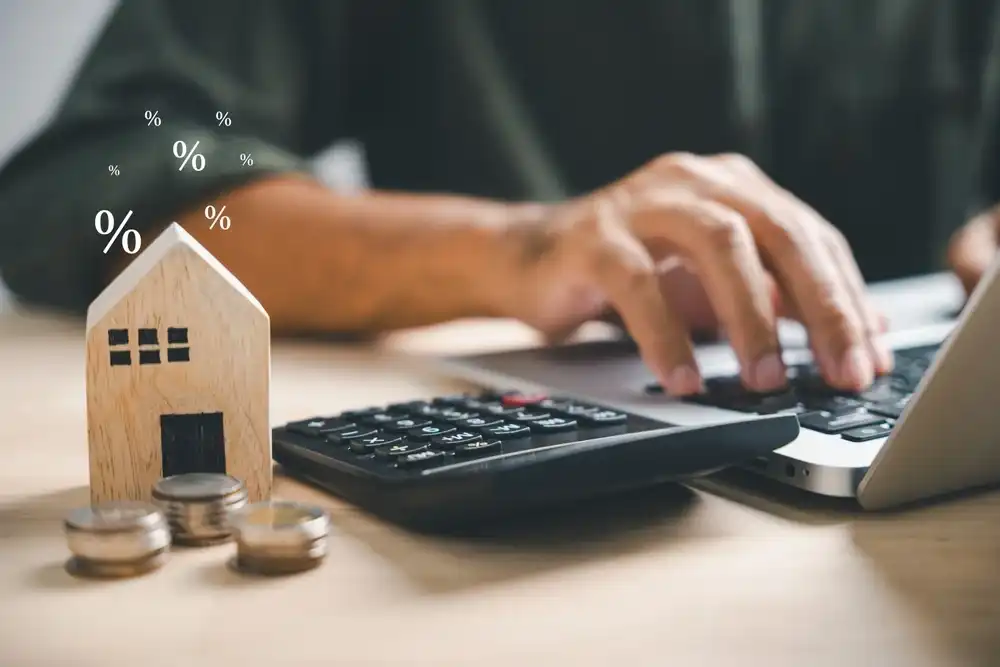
(319, 261)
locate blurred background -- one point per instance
(41, 44)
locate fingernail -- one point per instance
(881, 357)
(856, 368)
(768, 373)
(684, 381)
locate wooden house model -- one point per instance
(178, 374)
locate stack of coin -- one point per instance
(198, 505)
(116, 539)
(278, 537)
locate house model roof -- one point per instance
(171, 239)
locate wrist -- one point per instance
(519, 244)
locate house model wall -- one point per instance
(178, 374)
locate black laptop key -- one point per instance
(424, 459)
(479, 448)
(370, 443)
(507, 431)
(892, 409)
(406, 424)
(401, 448)
(825, 421)
(452, 440)
(344, 437)
(832, 403)
(321, 426)
(479, 422)
(552, 425)
(428, 432)
(880, 430)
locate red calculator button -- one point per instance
(522, 400)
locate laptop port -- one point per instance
(790, 470)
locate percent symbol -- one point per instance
(152, 118)
(113, 170)
(217, 217)
(223, 118)
(182, 153)
(105, 217)
(246, 159)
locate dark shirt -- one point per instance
(879, 113)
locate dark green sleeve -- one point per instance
(187, 60)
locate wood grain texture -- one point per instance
(227, 371)
(720, 574)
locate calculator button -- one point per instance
(499, 409)
(344, 437)
(529, 416)
(445, 401)
(400, 449)
(479, 422)
(382, 418)
(408, 406)
(320, 426)
(426, 411)
(428, 432)
(507, 431)
(453, 440)
(423, 459)
(603, 418)
(522, 400)
(478, 448)
(405, 424)
(358, 414)
(552, 425)
(456, 415)
(368, 443)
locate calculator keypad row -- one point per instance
(422, 434)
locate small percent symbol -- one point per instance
(105, 218)
(182, 153)
(113, 170)
(246, 159)
(152, 118)
(217, 217)
(223, 118)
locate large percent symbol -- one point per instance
(182, 153)
(217, 217)
(103, 216)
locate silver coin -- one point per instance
(279, 537)
(197, 506)
(115, 516)
(116, 539)
(196, 486)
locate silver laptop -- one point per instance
(930, 428)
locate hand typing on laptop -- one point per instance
(758, 250)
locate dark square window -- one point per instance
(117, 336)
(149, 357)
(121, 358)
(177, 335)
(147, 337)
(178, 354)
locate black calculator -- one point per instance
(447, 461)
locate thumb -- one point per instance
(973, 248)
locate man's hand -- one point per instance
(974, 246)
(756, 250)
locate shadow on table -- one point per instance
(943, 559)
(504, 550)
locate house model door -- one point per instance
(192, 443)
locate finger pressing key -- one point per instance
(627, 273)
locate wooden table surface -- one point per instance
(727, 573)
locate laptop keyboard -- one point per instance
(854, 417)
